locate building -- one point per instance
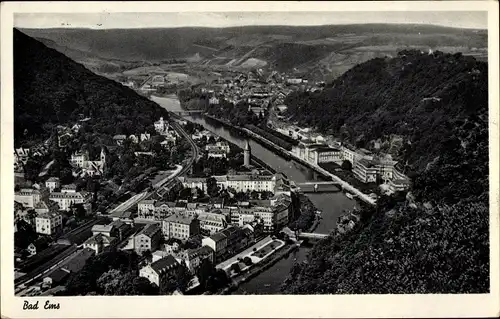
(212, 223)
(48, 223)
(247, 154)
(194, 257)
(99, 243)
(180, 227)
(52, 183)
(193, 182)
(81, 160)
(213, 101)
(148, 238)
(146, 209)
(67, 197)
(368, 171)
(243, 183)
(216, 153)
(21, 156)
(46, 206)
(228, 242)
(119, 139)
(161, 126)
(218, 243)
(220, 145)
(28, 197)
(325, 154)
(55, 277)
(158, 272)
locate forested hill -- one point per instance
(436, 240)
(50, 89)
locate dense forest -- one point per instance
(436, 239)
(50, 89)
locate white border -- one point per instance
(472, 305)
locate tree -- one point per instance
(212, 188)
(236, 267)
(346, 165)
(248, 261)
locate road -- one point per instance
(158, 186)
(35, 274)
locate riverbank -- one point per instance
(259, 268)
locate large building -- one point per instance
(229, 241)
(238, 182)
(100, 243)
(212, 223)
(148, 238)
(48, 223)
(28, 197)
(180, 227)
(52, 183)
(368, 171)
(68, 197)
(158, 272)
(81, 160)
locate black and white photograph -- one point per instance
(264, 153)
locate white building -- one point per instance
(212, 223)
(48, 224)
(158, 272)
(52, 183)
(161, 126)
(99, 242)
(28, 197)
(67, 198)
(81, 160)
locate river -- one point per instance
(331, 205)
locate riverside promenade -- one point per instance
(364, 197)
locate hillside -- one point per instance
(436, 239)
(51, 89)
(314, 51)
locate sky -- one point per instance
(459, 19)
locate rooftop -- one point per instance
(149, 230)
(179, 219)
(164, 264)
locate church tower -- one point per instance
(247, 153)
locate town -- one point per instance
(229, 213)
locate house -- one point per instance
(76, 262)
(28, 197)
(180, 227)
(133, 138)
(145, 137)
(218, 243)
(55, 277)
(99, 243)
(194, 257)
(119, 139)
(161, 126)
(31, 249)
(68, 197)
(52, 183)
(212, 223)
(158, 272)
(213, 101)
(215, 153)
(48, 223)
(146, 209)
(46, 206)
(21, 156)
(193, 182)
(148, 238)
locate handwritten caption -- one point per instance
(34, 306)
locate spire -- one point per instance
(247, 146)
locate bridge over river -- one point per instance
(319, 187)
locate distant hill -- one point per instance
(434, 240)
(315, 51)
(51, 89)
